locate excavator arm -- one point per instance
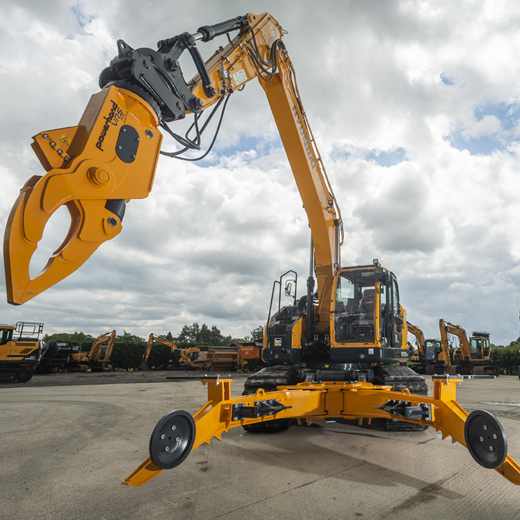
(448, 328)
(418, 333)
(148, 349)
(95, 350)
(97, 167)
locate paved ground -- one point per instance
(65, 450)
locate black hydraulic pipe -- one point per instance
(209, 32)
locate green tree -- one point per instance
(189, 333)
(76, 337)
(126, 336)
(196, 334)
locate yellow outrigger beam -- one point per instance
(178, 433)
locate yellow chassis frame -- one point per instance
(307, 401)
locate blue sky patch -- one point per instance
(245, 144)
(507, 113)
(446, 80)
(81, 18)
(387, 158)
(483, 145)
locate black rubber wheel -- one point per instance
(485, 439)
(172, 439)
(24, 376)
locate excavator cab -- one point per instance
(432, 349)
(20, 351)
(479, 345)
(367, 318)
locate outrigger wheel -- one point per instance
(172, 439)
(485, 439)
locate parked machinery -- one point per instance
(97, 359)
(432, 357)
(473, 356)
(151, 338)
(20, 351)
(55, 356)
(217, 358)
(249, 355)
(188, 356)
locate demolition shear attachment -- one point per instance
(94, 169)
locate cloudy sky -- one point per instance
(415, 107)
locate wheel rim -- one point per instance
(172, 439)
(485, 439)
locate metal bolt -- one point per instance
(112, 222)
(494, 436)
(60, 151)
(149, 134)
(119, 147)
(178, 439)
(481, 439)
(53, 144)
(167, 448)
(485, 427)
(67, 159)
(174, 427)
(163, 436)
(491, 448)
(123, 129)
(46, 136)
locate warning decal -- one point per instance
(240, 76)
(65, 140)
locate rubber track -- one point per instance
(269, 378)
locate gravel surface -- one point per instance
(117, 377)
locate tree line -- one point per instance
(507, 358)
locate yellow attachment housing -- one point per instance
(111, 155)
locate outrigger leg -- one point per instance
(178, 433)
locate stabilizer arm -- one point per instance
(178, 433)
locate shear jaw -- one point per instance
(93, 170)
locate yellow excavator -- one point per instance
(473, 356)
(20, 351)
(432, 356)
(97, 359)
(337, 351)
(151, 338)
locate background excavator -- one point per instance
(472, 356)
(432, 356)
(151, 338)
(326, 349)
(97, 359)
(20, 351)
